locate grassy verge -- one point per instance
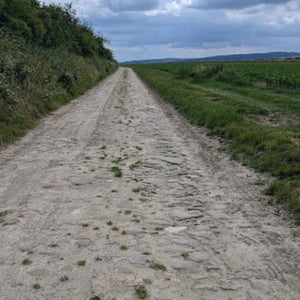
(261, 126)
(35, 81)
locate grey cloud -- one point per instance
(131, 5)
(231, 4)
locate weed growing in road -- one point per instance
(87, 157)
(139, 148)
(117, 171)
(159, 229)
(156, 266)
(53, 245)
(103, 147)
(85, 225)
(26, 261)
(127, 212)
(185, 255)
(124, 232)
(109, 223)
(96, 228)
(123, 247)
(117, 160)
(64, 278)
(36, 286)
(135, 165)
(135, 220)
(98, 258)
(114, 191)
(115, 228)
(95, 298)
(81, 263)
(146, 253)
(141, 292)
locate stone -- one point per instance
(175, 229)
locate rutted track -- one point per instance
(183, 204)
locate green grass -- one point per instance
(81, 263)
(26, 261)
(260, 126)
(135, 165)
(64, 278)
(117, 171)
(123, 247)
(141, 292)
(95, 298)
(156, 266)
(36, 286)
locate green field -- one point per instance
(253, 106)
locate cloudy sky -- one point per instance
(146, 29)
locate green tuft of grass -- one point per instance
(95, 298)
(26, 261)
(123, 247)
(117, 171)
(36, 286)
(127, 212)
(141, 292)
(156, 266)
(81, 263)
(109, 223)
(135, 165)
(185, 255)
(64, 278)
(115, 228)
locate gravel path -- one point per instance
(183, 220)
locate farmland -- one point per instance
(253, 106)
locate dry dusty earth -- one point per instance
(182, 205)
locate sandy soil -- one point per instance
(183, 205)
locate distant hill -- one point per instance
(234, 57)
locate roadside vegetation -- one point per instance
(254, 107)
(47, 58)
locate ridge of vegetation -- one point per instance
(47, 57)
(260, 125)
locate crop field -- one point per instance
(253, 106)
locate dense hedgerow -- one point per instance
(47, 57)
(51, 26)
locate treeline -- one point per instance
(51, 26)
(47, 57)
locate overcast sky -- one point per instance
(146, 29)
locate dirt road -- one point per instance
(183, 220)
